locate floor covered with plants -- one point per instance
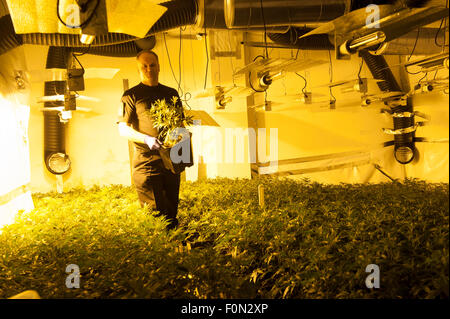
(309, 241)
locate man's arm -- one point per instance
(131, 134)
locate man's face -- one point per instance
(148, 67)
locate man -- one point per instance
(156, 186)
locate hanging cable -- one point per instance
(265, 29)
(258, 56)
(207, 59)
(306, 82)
(415, 44)
(423, 78)
(439, 29)
(83, 53)
(170, 63)
(330, 70)
(231, 58)
(179, 64)
(192, 60)
(75, 57)
(360, 69)
(412, 52)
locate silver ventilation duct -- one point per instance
(210, 15)
(246, 13)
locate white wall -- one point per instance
(15, 193)
(100, 156)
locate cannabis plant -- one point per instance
(169, 118)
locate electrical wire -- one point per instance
(360, 69)
(412, 52)
(88, 19)
(179, 63)
(170, 63)
(75, 57)
(192, 60)
(180, 91)
(85, 52)
(304, 79)
(265, 29)
(231, 58)
(296, 55)
(439, 30)
(207, 58)
(258, 56)
(331, 75)
(415, 44)
(423, 77)
(251, 85)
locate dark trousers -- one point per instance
(158, 188)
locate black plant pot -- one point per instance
(180, 163)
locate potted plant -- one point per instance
(170, 121)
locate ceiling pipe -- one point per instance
(422, 41)
(244, 15)
(251, 13)
(291, 39)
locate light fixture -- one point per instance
(431, 63)
(260, 82)
(262, 72)
(222, 102)
(221, 98)
(360, 85)
(87, 38)
(367, 41)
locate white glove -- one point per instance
(152, 142)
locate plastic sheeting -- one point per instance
(14, 116)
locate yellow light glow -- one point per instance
(15, 164)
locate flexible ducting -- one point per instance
(179, 13)
(404, 142)
(73, 40)
(129, 49)
(8, 39)
(380, 70)
(291, 39)
(57, 58)
(54, 129)
(245, 13)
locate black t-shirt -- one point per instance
(136, 102)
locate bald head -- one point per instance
(146, 52)
(148, 66)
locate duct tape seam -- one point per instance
(322, 163)
(319, 169)
(6, 198)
